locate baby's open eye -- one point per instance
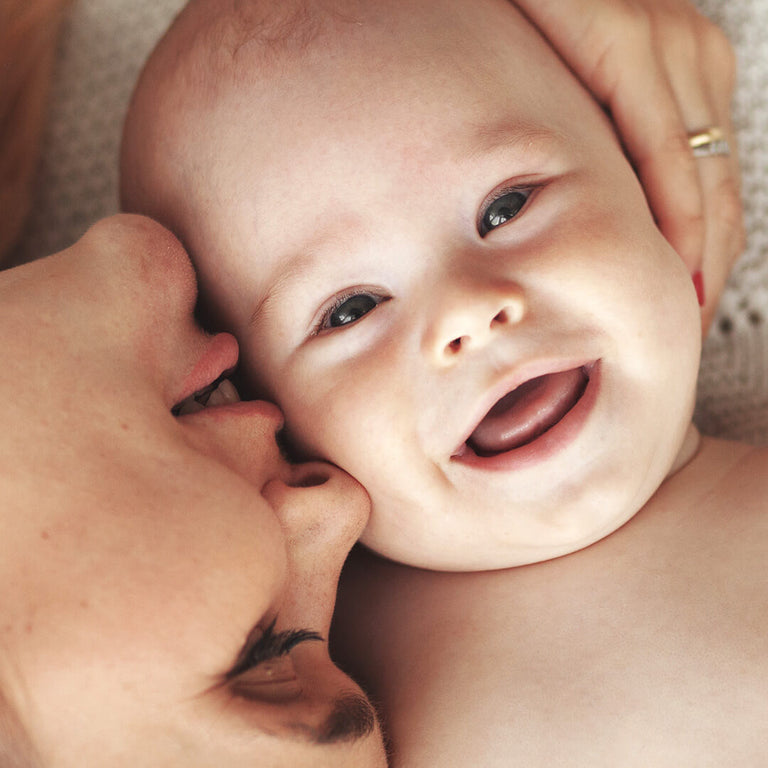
(502, 209)
(349, 308)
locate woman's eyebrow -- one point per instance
(351, 717)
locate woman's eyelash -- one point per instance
(262, 646)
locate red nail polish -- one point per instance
(698, 284)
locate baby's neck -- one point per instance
(688, 450)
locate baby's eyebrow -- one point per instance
(511, 133)
(306, 260)
(292, 270)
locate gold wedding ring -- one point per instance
(710, 142)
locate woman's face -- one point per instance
(165, 578)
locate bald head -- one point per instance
(210, 47)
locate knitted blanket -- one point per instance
(105, 42)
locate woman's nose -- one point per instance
(322, 511)
(467, 316)
(147, 249)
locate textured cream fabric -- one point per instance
(733, 384)
(101, 53)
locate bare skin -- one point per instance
(647, 648)
(578, 660)
(632, 53)
(147, 547)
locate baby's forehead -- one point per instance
(260, 33)
(263, 55)
(324, 123)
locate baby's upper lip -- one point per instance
(489, 436)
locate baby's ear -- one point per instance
(29, 31)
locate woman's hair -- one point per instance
(28, 34)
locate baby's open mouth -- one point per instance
(528, 411)
(219, 392)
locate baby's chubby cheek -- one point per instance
(354, 412)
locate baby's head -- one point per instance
(437, 261)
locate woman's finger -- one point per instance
(701, 67)
(657, 142)
(721, 182)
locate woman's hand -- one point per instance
(663, 71)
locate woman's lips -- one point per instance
(220, 392)
(528, 411)
(206, 383)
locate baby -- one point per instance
(437, 261)
(440, 264)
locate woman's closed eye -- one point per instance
(263, 668)
(347, 308)
(501, 207)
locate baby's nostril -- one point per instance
(455, 345)
(501, 317)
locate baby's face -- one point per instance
(442, 268)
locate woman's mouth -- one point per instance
(208, 383)
(528, 412)
(219, 392)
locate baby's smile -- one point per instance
(530, 411)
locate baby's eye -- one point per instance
(501, 209)
(348, 309)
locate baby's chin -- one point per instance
(482, 556)
(545, 536)
(530, 511)
(505, 517)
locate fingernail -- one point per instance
(698, 284)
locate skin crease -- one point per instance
(387, 172)
(154, 544)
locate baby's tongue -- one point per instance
(527, 412)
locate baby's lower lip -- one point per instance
(533, 421)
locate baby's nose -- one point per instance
(467, 317)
